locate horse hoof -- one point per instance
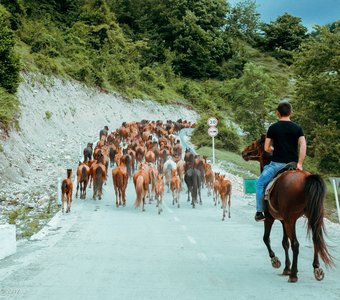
(319, 274)
(286, 272)
(178, 205)
(276, 262)
(292, 279)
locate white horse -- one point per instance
(169, 165)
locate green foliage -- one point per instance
(243, 21)
(17, 11)
(48, 115)
(9, 108)
(191, 29)
(317, 102)
(227, 137)
(9, 62)
(283, 36)
(252, 99)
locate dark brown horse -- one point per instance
(295, 193)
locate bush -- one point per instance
(9, 62)
(227, 138)
(9, 108)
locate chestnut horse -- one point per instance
(294, 194)
(159, 193)
(83, 173)
(175, 186)
(141, 181)
(224, 190)
(66, 191)
(120, 179)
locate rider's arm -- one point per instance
(268, 145)
(302, 151)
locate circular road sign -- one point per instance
(212, 121)
(212, 131)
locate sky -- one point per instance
(311, 12)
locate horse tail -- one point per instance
(98, 176)
(83, 174)
(64, 186)
(139, 190)
(315, 191)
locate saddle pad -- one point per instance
(270, 186)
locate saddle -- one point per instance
(288, 167)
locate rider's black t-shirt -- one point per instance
(285, 136)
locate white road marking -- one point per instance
(191, 240)
(184, 227)
(176, 219)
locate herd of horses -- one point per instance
(150, 154)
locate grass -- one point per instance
(235, 164)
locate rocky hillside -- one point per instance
(57, 119)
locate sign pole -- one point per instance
(335, 185)
(213, 149)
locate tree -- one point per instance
(283, 36)
(192, 29)
(9, 62)
(243, 21)
(252, 98)
(317, 98)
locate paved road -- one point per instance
(101, 252)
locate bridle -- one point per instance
(258, 150)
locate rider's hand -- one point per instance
(299, 166)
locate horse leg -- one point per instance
(62, 201)
(143, 209)
(224, 208)
(178, 194)
(268, 223)
(94, 191)
(199, 194)
(78, 189)
(116, 193)
(229, 202)
(290, 230)
(285, 245)
(100, 191)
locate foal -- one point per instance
(159, 193)
(175, 186)
(66, 191)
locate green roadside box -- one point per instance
(249, 186)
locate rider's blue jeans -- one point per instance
(267, 174)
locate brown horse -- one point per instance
(120, 179)
(83, 173)
(225, 191)
(159, 193)
(294, 194)
(175, 186)
(141, 181)
(98, 173)
(66, 191)
(209, 178)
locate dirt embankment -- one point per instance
(57, 119)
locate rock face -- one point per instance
(58, 118)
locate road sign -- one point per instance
(212, 131)
(212, 121)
